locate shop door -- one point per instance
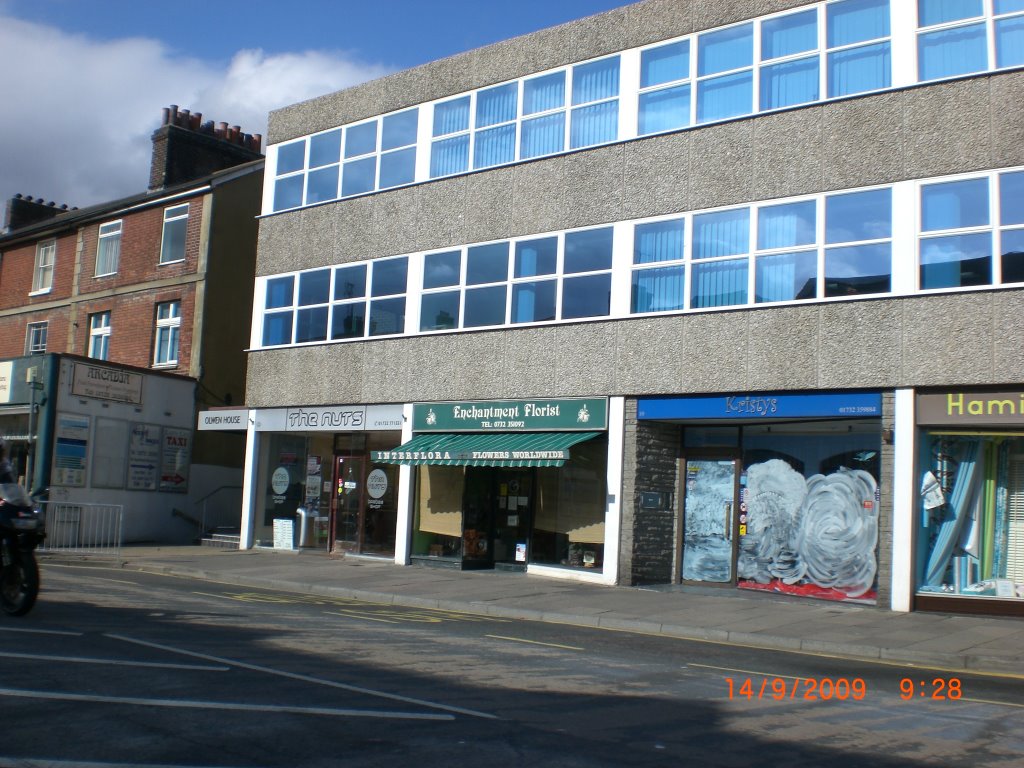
(347, 503)
(710, 491)
(513, 517)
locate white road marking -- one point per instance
(233, 706)
(307, 678)
(115, 662)
(42, 631)
(34, 762)
(534, 642)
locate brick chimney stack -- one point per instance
(186, 148)
(23, 211)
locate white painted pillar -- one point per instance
(613, 510)
(903, 496)
(250, 478)
(403, 538)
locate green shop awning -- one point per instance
(486, 449)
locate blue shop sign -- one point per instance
(761, 406)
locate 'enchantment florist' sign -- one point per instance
(512, 415)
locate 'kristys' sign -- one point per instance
(511, 415)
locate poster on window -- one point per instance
(174, 463)
(143, 457)
(70, 448)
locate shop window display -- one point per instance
(971, 535)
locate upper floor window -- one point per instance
(859, 56)
(953, 36)
(42, 274)
(168, 325)
(35, 338)
(99, 335)
(108, 251)
(172, 246)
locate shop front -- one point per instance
(969, 554)
(508, 484)
(777, 492)
(317, 486)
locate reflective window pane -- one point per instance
(1013, 256)
(588, 296)
(726, 49)
(484, 306)
(542, 136)
(588, 250)
(496, 105)
(279, 292)
(325, 148)
(719, 283)
(789, 83)
(595, 81)
(786, 277)
(291, 157)
(950, 52)
(441, 269)
(389, 276)
(288, 192)
(596, 124)
(723, 97)
(543, 93)
(858, 269)
(399, 130)
(533, 302)
(350, 282)
(451, 116)
(359, 176)
(665, 64)
(348, 320)
(1010, 42)
(536, 257)
(361, 139)
(1011, 198)
(664, 110)
(449, 156)
(956, 261)
(398, 168)
(954, 204)
(323, 185)
(1008, 6)
(940, 11)
(439, 311)
(495, 146)
(658, 290)
(387, 316)
(311, 325)
(858, 216)
(487, 264)
(855, 21)
(314, 287)
(721, 234)
(858, 70)
(658, 241)
(786, 35)
(277, 328)
(786, 226)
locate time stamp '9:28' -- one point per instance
(839, 688)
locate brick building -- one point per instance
(159, 280)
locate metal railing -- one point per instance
(83, 528)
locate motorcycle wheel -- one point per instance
(19, 581)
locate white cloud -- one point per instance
(79, 113)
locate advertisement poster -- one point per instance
(143, 457)
(175, 460)
(72, 444)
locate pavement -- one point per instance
(934, 640)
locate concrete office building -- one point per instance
(689, 291)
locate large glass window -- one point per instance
(543, 127)
(725, 73)
(35, 338)
(859, 53)
(172, 244)
(956, 241)
(789, 52)
(664, 88)
(858, 233)
(595, 100)
(99, 335)
(168, 325)
(108, 249)
(955, 36)
(42, 273)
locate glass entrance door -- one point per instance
(709, 520)
(347, 502)
(513, 517)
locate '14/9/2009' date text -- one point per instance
(841, 688)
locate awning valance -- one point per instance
(486, 449)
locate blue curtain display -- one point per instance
(719, 283)
(786, 276)
(595, 81)
(543, 93)
(660, 241)
(1010, 42)
(857, 70)
(449, 156)
(952, 52)
(496, 105)
(725, 233)
(787, 35)
(723, 97)
(665, 64)
(793, 82)
(856, 21)
(931, 12)
(786, 226)
(664, 110)
(596, 124)
(725, 50)
(542, 136)
(658, 290)
(451, 116)
(495, 146)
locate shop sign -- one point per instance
(964, 407)
(334, 418)
(512, 416)
(103, 383)
(224, 419)
(6, 374)
(752, 407)
(174, 463)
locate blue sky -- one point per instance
(76, 124)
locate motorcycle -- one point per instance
(22, 528)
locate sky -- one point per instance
(86, 80)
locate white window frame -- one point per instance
(99, 335)
(35, 338)
(46, 261)
(167, 338)
(109, 239)
(173, 215)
